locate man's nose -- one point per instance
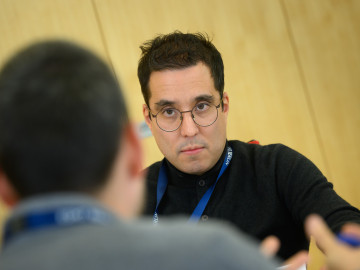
(188, 127)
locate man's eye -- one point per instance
(169, 112)
(202, 107)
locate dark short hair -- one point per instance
(177, 51)
(61, 119)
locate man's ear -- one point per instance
(146, 113)
(7, 192)
(134, 151)
(225, 102)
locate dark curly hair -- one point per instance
(176, 51)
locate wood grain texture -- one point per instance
(327, 39)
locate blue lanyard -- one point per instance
(199, 209)
(56, 217)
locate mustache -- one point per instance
(191, 143)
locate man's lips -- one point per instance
(192, 150)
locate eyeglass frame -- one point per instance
(181, 116)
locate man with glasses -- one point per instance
(263, 190)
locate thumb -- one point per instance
(316, 227)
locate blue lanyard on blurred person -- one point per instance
(199, 209)
(55, 217)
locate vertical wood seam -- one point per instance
(102, 36)
(305, 87)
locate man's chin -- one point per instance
(196, 169)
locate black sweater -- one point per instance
(266, 190)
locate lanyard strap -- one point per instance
(56, 217)
(199, 209)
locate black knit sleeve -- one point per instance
(305, 190)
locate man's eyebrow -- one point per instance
(164, 102)
(208, 98)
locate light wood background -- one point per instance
(292, 68)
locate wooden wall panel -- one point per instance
(327, 40)
(23, 21)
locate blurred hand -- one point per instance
(270, 246)
(339, 256)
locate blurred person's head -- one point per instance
(64, 127)
(182, 81)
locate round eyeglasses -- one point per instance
(170, 119)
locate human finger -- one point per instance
(316, 227)
(270, 246)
